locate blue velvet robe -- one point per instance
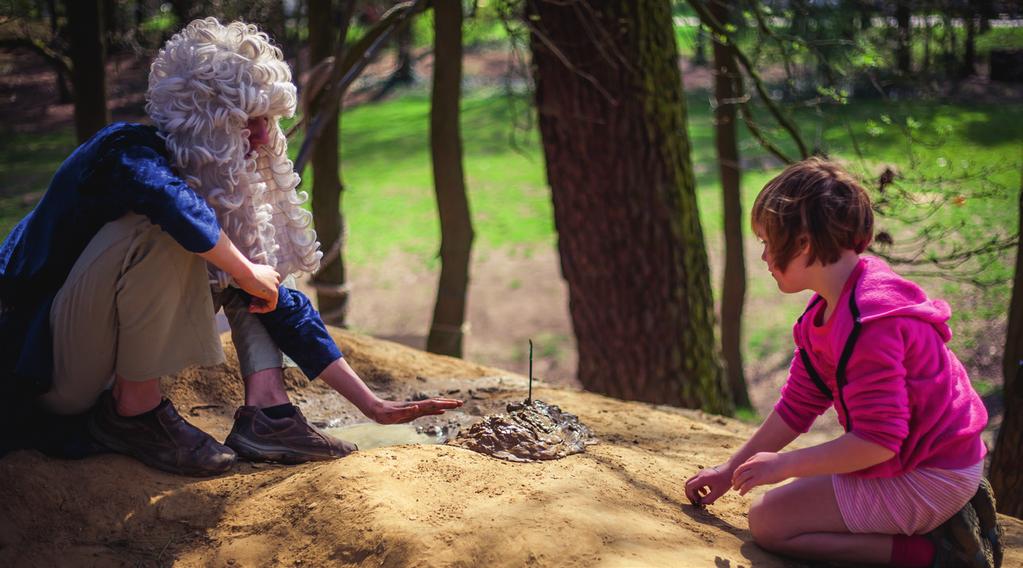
(123, 168)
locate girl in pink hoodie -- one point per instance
(872, 345)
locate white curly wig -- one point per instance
(204, 85)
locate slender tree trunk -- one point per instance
(1006, 473)
(88, 74)
(404, 74)
(111, 26)
(866, 9)
(904, 36)
(275, 23)
(969, 44)
(612, 119)
(64, 95)
(330, 281)
(925, 65)
(184, 10)
(727, 88)
(449, 181)
(950, 45)
(700, 53)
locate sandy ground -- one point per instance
(619, 504)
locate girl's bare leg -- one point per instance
(802, 519)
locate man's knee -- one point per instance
(67, 401)
(159, 263)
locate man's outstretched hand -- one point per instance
(390, 412)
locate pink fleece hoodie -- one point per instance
(904, 389)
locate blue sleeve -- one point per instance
(141, 179)
(297, 329)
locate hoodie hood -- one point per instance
(881, 293)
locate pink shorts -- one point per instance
(912, 503)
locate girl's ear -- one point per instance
(804, 244)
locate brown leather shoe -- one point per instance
(161, 439)
(256, 436)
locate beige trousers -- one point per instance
(139, 305)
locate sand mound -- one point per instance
(619, 503)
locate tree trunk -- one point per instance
(700, 53)
(969, 45)
(1006, 474)
(404, 74)
(903, 38)
(449, 181)
(88, 74)
(185, 11)
(866, 9)
(727, 89)
(950, 45)
(275, 23)
(330, 281)
(64, 95)
(111, 26)
(925, 65)
(612, 119)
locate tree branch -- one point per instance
(715, 26)
(747, 119)
(55, 59)
(354, 60)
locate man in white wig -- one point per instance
(113, 280)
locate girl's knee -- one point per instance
(762, 527)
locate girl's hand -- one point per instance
(261, 281)
(763, 468)
(705, 487)
(390, 412)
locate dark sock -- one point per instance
(148, 413)
(912, 551)
(286, 410)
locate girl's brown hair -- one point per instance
(817, 200)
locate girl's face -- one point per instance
(259, 132)
(795, 277)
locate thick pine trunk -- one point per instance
(1006, 473)
(88, 74)
(331, 295)
(449, 181)
(727, 89)
(612, 120)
